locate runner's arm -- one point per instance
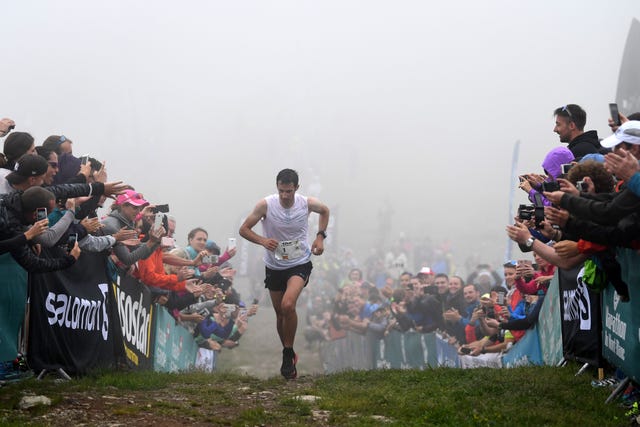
(259, 211)
(315, 205)
(321, 209)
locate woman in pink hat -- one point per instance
(124, 212)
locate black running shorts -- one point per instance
(276, 280)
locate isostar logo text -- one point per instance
(135, 321)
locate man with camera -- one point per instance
(285, 222)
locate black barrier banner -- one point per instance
(581, 318)
(69, 325)
(135, 310)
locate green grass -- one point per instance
(531, 396)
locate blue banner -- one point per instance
(621, 320)
(175, 349)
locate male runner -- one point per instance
(285, 222)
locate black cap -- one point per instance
(27, 166)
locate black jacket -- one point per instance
(11, 225)
(607, 212)
(585, 143)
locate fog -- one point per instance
(413, 106)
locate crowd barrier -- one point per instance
(621, 320)
(540, 345)
(81, 320)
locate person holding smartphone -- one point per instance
(287, 255)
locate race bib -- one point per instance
(289, 249)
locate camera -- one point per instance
(160, 208)
(529, 212)
(550, 186)
(210, 259)
(526, 212)
(95, 165)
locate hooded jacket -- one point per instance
(584, 144)
(552, 164)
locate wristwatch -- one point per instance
(322, 233)
(529, 242)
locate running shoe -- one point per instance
(288, 367)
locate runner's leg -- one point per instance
(295, 285)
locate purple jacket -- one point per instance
(552, 165)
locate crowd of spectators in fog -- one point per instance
(584, 203)
(476, 314)
(49, 201)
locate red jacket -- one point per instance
(150, 271)
(531, 287)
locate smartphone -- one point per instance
(465, 350)
(71, 241)
(210, 259)
(158, 221)
(232, 243)
(41, 213)
(566, 167)
(580, 185)
(230, 309)
(84, 160)
(500, 298)
(167, 242)
(615, 114)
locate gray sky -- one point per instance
(416, 104)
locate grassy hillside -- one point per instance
(449, 397)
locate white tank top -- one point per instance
(290, 228)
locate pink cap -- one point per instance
(132, 197)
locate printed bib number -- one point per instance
(288, 249)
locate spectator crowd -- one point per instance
(584, 204)
(583, 207)
(49, 201)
